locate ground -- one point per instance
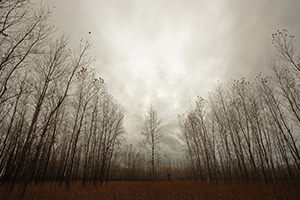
(163, 190)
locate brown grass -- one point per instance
(159, 190)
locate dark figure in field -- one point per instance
(170, 177)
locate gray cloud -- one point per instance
(253, 24)
(164, 52)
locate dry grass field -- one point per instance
(163, 190)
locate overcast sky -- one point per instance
(165, 52)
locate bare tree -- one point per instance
(23, 30)
(152, 133)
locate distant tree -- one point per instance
(152, 133)
(129, 164)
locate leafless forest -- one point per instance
(60, 125)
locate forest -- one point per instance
(60, 125)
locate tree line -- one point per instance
(249, 130)
(58, 122)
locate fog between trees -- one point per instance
(59, 124)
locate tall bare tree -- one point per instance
(152, 133)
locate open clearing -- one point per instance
(158, 190)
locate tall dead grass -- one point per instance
(164, 190)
